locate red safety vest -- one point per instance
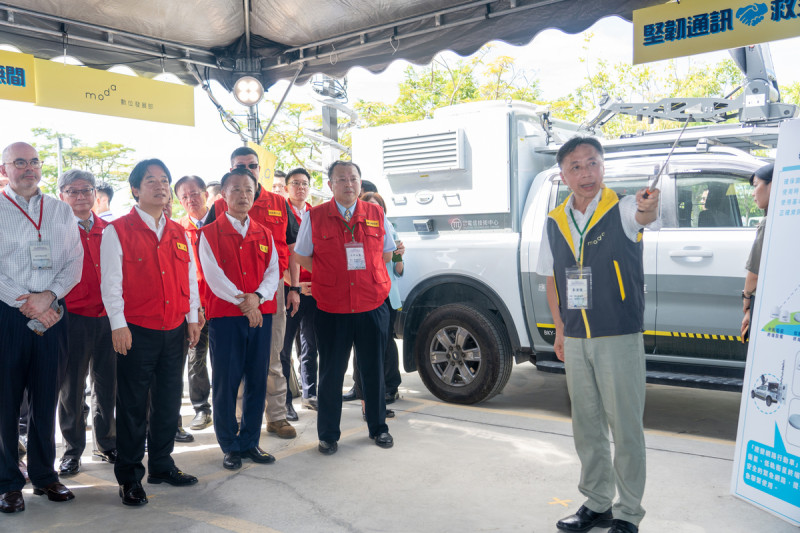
(155, 274)
(194, 234)
(269, 210)
(336, 289)
(305, 275)
(84, 299)
(243, 260)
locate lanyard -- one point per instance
(350, 229)
(580, 232)
(41, 210)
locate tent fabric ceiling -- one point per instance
(310, 36)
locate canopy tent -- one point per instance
(281, 39)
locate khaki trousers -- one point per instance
(275, 408)
(606, 381)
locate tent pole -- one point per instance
(280, 104)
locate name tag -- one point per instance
(355, 256)
(579, 288)
(372, 223)
(263, 248)
(275, 213)
(41, 255)
(182, 246)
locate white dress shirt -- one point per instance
(111, 267)
(220, 284)
(17, 277)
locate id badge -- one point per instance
(355, 256)
(41, 255)
(579, 288)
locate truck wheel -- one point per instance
(752, 394)
(768, 400)
(462, 354)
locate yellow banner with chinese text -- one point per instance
(698, 26)
(105, 93)
(17, 79)
(266, 160)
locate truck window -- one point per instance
(714, 200)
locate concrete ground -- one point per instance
(506, 465)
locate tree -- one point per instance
(107, 161)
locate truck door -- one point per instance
(701, 254)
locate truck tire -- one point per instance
(463, 354)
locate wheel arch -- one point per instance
(448, 289)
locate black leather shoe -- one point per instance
(389, 414)
(132, 493)
(291, 414)
(350, 395)
(391, 397)
(108, 456)
(258, 455)
(173, 477)
(181, 435)
(12, 502)
(384, 440)
(69, 466)
(327, 448)
(201, 420)
(621, 526)
(56, 492)
(584, 520)
(232, 461)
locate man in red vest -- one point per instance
(149, 289)
(269, 210)
(88, 337)
(343, 242)
(191, 193)
(241, 266)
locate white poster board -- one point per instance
(766, 470)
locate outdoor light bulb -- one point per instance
(248, 91)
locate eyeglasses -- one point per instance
(76, 193)
(251, 166)
(22, 163)
(300, 184)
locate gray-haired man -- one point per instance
(89, 338)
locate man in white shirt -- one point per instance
(41, 258)
(149, 288)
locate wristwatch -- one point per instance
(261, 299)
(295, 289)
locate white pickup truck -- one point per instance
(469, 192)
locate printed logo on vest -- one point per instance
(274, 212)
(182, 246)
(372, 223)
(264, 248)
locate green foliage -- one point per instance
(107, 161)
(286, 140)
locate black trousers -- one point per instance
(28, 361)
(391, 359)
(199, 384)
(90, 350)
(302, 321)
(239, 354)
(337, 333)
(154, 364)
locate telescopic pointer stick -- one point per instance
(654, 183)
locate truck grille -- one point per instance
(424, 153)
